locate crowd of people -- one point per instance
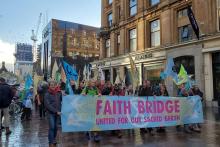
(49, 96)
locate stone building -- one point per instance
(153, 30)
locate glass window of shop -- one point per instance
(152, 73)
(216, 75)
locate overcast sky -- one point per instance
(19, 17)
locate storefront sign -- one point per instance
(99, 113)
(143, 56)
(101, 64)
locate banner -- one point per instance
(193, 21)
(87, 113)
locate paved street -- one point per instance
(34, 134)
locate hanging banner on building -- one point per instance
(87, 113)
(193, 21)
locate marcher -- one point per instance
(52, 103)
(92, 90)
(80, 88)
(41, 91)
(146, 90)
(26, 114)
(162, 92)
(6, 95)
(196, 91)
(107, 90)
(182, 92)
(118, 90)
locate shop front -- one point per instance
(149, 65)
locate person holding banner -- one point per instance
(182, 92)
(162, 92)
(118, 90)
(80, 88)
(146, 90)
(92, 90)
(52, 102)
(108, 88)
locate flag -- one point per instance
(168, 72)
(70, 72)
(55, 69)
(193, 21)
(37, 80)
(28, 82)
(117, 80)
(89, 67)
(57, 76)
(77, 83)
(101, 76)
(68, 88)
(85, 72)
(123, 82)
(182, 76)
(134, 73)
(63, 75)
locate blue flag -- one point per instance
(168, 72)
(68, 88)
(70, 72)
(28, 82)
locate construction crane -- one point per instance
(34, 38)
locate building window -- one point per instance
(119, 14)
(154, 2)
(108, 48)
(110, 19)
(133, 40)
(133, 7)
(185, 33)
(118, 44)
(155, 33)
(182, 13)
(110, 2)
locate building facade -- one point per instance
(23, 60)
(152, 31)
(68, 39)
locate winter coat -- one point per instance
(52, 102)
(145, 91)
(6, 95)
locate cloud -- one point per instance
(7, 54)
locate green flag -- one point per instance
(57, 76)
(182, 76)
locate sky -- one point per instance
(19, 17)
